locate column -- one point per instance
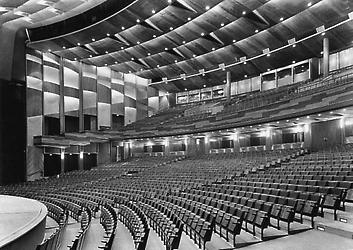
(326, 55)
(228, 85)
(269, 139)
(62, 160)
(207, 143)
(307, 136)
(80, 96)
(80, 158)
(167, 146)
(236, 144)
(342, 127)
(62, 99)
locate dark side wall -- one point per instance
(12, 106)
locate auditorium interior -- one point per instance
(176, 124)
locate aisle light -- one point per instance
(81, 155)
(62, 155)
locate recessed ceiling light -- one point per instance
(121, 47)
(175, 61)
(132, 58)
(154, 36)
(78, 44)
(244, 12)
(269, 54)
(169, 1)
(293, 61)
(234, 40)
(75, 59)
(307, 116)
(186, 89)
(323, 33)
(224, 81)
(277, 122)
(268, 69)
(281, 19)
(49, 50)
(90, 55)
(116, 62)
(138, 42)
(138, 20)
(93, 39)
(64, 47)
(148, 54)
(130, 71)
(153, 11)
(202, 34)
(157, 65)
(344, 109)
(122, 27)
(165, 49)
(106, 52)
(204, 85)
(297, 119)
(108, 34)
(256, 30)
(184, 42)
(331, 112)
(105, 64)
(244, 62)
(245, 76)
(287, 120)
(189, 18)
(319, 115)
(294, 45)
(222, 24)
(194, 55)
(309, 4)
(213, 49)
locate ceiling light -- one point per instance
(93, 39)
(169, 1)
(202, 34)
(138, 42)
(309, 4)
(138, 20)
(49, 50)
(204, 85)
(307, 116)
(64, 47)
(130, 71)
(106, 52)
(78, 44)
(189, 18)
(194, 55)
(244, 12)
(165, 49)
(148, 54)
(281, 19)
(105, 64)
(90, 55)
(171, 28)
(222, 24)
(331, 112)
(207, 7)
(186, 89)
(256, 31)
(116, 62)
(293, 61)
(287, 120)
(277, 122)
(153, 11)
(175, 61)
(294, 45)
(108, 34)
(323, 33)
(245, 76)
(132, 58)
(213, 49)
(154, 36)
(122, 27)
(344, 110)
(319, 115)
(121, 47)
(268, 54)
(297, 119)
(268, 69)
(234, 40)
(157, 65)
(184, 42)
(75, 58)
(244, 63)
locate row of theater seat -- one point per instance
(109, 221)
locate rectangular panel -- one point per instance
(51, 103)
(255, 83)
(34, 128)
(130, 115)
(284, 77)
(104, 115)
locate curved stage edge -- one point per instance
(22, 223)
